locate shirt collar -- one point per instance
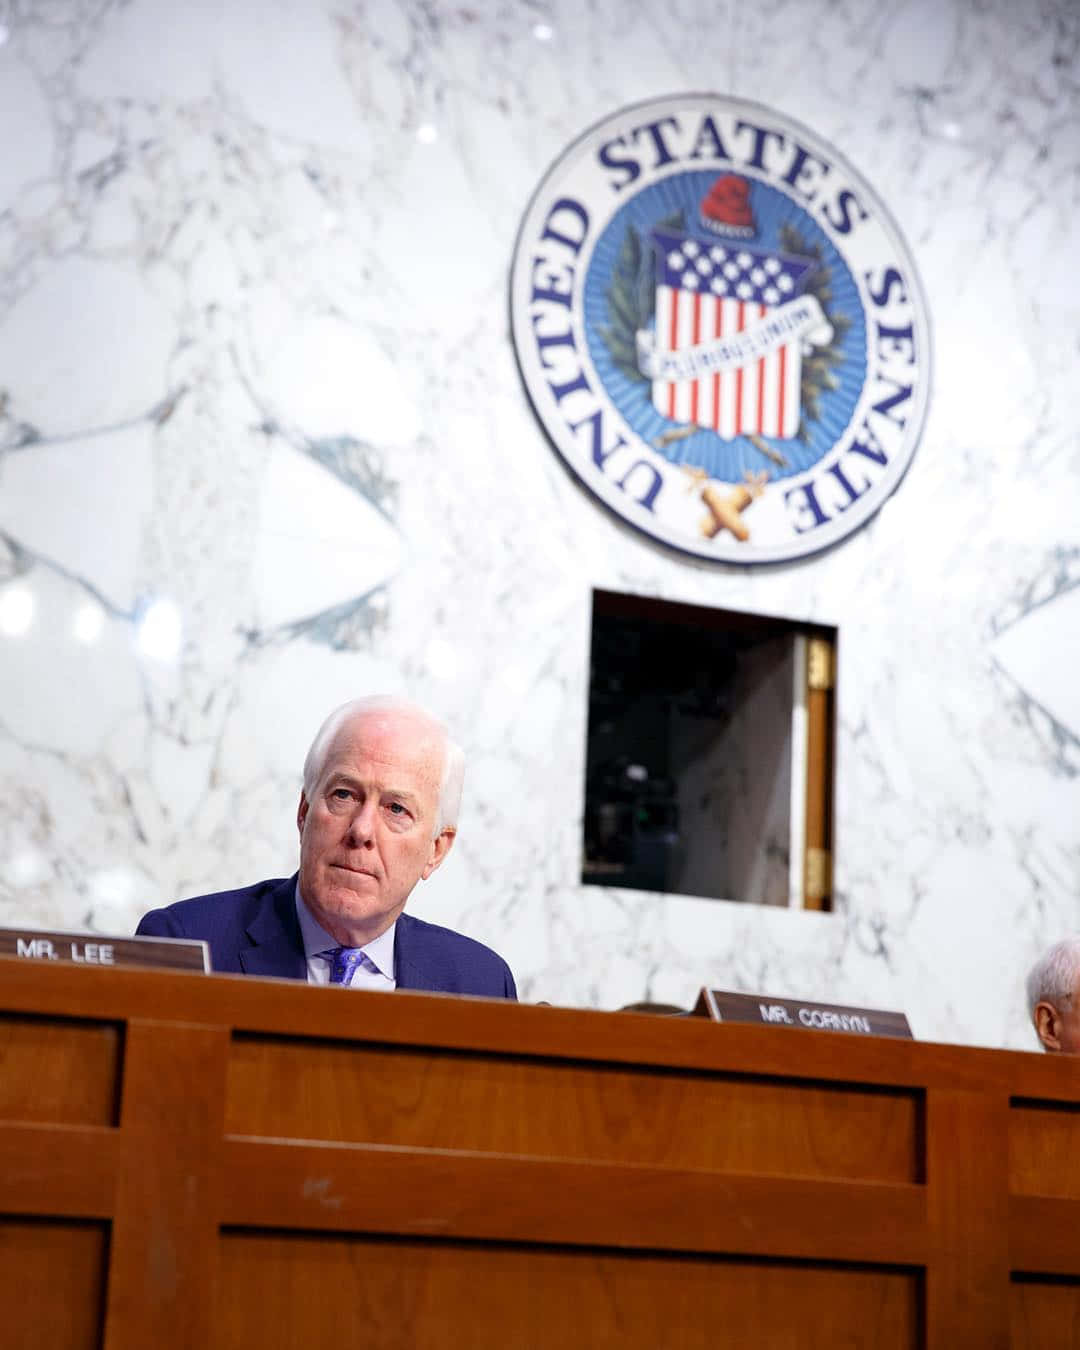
(380, 951)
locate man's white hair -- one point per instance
(453, 765)
(1055, 975)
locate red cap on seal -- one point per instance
(726, 208)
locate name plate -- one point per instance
(86, 949)
(791, 1012)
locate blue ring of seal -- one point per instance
(681, 194)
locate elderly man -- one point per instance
(378, 813)
(1053, 994)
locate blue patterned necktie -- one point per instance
(344, 962)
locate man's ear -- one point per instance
(440, 847)
(1048, 1025)
(301, 813)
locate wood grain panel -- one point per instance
(52, 1284)
(1044, 1314)
(58, 1070)
(437, 1099)
(967, 1280)
(380, 1189)
(295, 1292)
(288, 1008)
(1044, 1235)
(165, 1230)
(1044, 1145)
(58, 1170)
(629, 1180)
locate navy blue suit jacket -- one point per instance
(255, 931)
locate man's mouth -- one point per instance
(356, 871)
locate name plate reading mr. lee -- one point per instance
(789, 1012)
(89, 949)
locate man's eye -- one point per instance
(397, 809)
(341, 794)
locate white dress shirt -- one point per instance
(317, 942)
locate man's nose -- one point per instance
(362, 825)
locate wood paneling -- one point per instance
(165, 1232)
(471, 1171)
(59, 1070)
(58, 1171)
(1044, 1235)
(967, 1281)
(432, 1099)
(294, 1292)
(52, 1282)
(1044, 1315)
(1044, 1148)
(483, 1195)
(405, 1019)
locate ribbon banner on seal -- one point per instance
(798, 320)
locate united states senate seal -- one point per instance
(721, 329)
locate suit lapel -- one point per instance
(410, 967)
(275, 932)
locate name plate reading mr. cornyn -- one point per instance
(90, 949)
(765, 1010)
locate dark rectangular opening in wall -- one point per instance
(709, 761)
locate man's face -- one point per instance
(1058, 1024)
(367, 835)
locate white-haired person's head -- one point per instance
(378, 813)
(1053, 996)
(452, 776)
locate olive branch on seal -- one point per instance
(819, 364)
(631, 296)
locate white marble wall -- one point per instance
(263, 446)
